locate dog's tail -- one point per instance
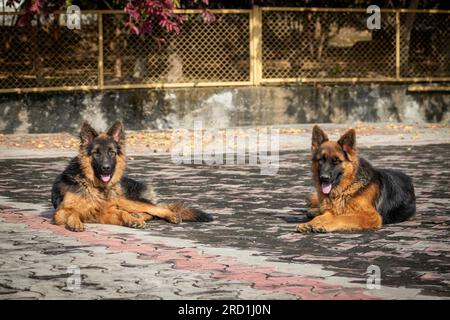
(189, 214)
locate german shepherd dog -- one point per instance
(94, 189)
(351, 194)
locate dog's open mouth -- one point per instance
(326, 187)
(105, 177)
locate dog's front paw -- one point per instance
(303, 228)
(137, 224)
(133, 221)
(174, 218)
(311, 228)
(75, 225)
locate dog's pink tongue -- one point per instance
(326, 188)
(105, 178)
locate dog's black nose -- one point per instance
(106, 168)
(325, 178)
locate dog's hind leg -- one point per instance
(117, 216)
(165, 213)
(141, 207)
(328, 222)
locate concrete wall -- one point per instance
(220, 107)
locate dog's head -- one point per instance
(103, 149)
(333, 162)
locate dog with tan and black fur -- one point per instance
(350, 193)
(94, 188)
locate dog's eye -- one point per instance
(112, 153)
(336, 161)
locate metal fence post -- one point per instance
(100, 51)
(256, 45)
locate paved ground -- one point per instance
(250, 251)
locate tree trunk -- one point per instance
(118, 54)
(37, 59)
(407, 29)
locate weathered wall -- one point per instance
(220, 107)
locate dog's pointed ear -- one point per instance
(348, 140)
(116, 132)
(318, 137)
(87, 133)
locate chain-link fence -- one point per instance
(48, 55)
(318, 45)
(425, 45)
(241, 47)
(202, 52)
